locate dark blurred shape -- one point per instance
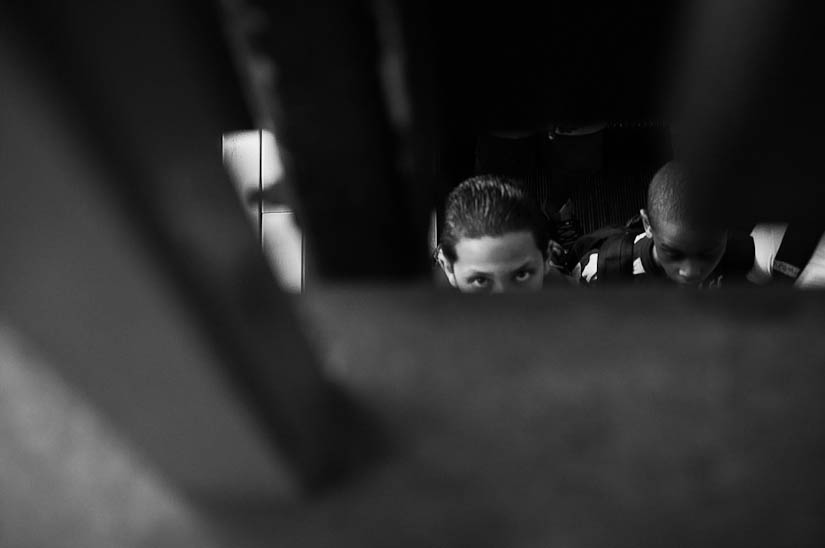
(534, 64)
(116, 120)
(575, 419)
(749, 108)
(331, 117)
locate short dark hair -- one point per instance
(673, 195)
(491, 205)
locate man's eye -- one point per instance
(523, 275)
(478, 282)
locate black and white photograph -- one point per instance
(412, 274)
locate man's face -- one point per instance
(687, 255)
(497, 264)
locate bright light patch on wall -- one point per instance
(253, 163)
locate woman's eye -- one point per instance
(523, 275)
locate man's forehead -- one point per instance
(509, 248)
(497, 254)
(686, 237)
(490, 264)
(492, 267)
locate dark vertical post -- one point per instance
(341, 155)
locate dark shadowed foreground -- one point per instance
(565, 421)
(580, 420)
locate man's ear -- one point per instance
(646, 223)
(446, 266)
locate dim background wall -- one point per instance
(605, 174)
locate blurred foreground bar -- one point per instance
(749, 108)
(313, 66)
(564, 419)
(127, 256)
(574, 419)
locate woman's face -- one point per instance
(498, 264)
